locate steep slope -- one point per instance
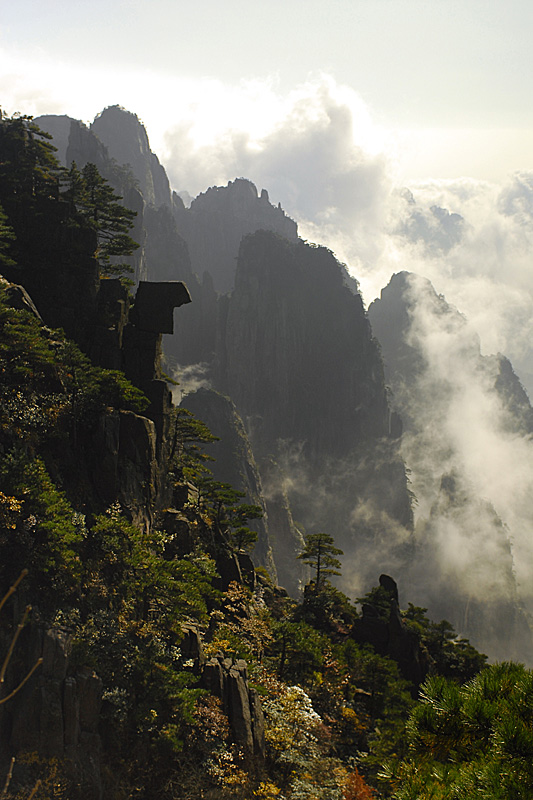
(467, 443)
(233, 459)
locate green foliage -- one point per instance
(298, 649)
(380, 599)
(127, 571)
(42, 537)
(7, 236)
(39, 196)
(453, 656)
(29, 188)
(28, 169)
(471, 741)
(187, 437)
(47, 384)
(327, 609)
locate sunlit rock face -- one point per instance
(467, 445)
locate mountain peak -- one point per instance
(127, 142)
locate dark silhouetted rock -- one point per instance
(154, 306)
(389, 637)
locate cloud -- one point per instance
(189, 379)
(487, 272)
(318, 151)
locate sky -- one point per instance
(449, 78)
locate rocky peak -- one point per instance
(219, 218)
(126, 139)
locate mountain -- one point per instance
(279, 326)
(297, 356)
(218, 219)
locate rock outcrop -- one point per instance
(390, 637)
(227, 679)
(56, 714)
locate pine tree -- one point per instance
(319, 553)
(96, 201)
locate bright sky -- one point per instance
(451, 79)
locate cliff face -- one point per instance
(234, 462)
(298, 355)
(467, 426)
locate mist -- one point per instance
(467, 444)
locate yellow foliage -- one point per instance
(267, 790)
(350, 717)
(213, 647)
(9, 507)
